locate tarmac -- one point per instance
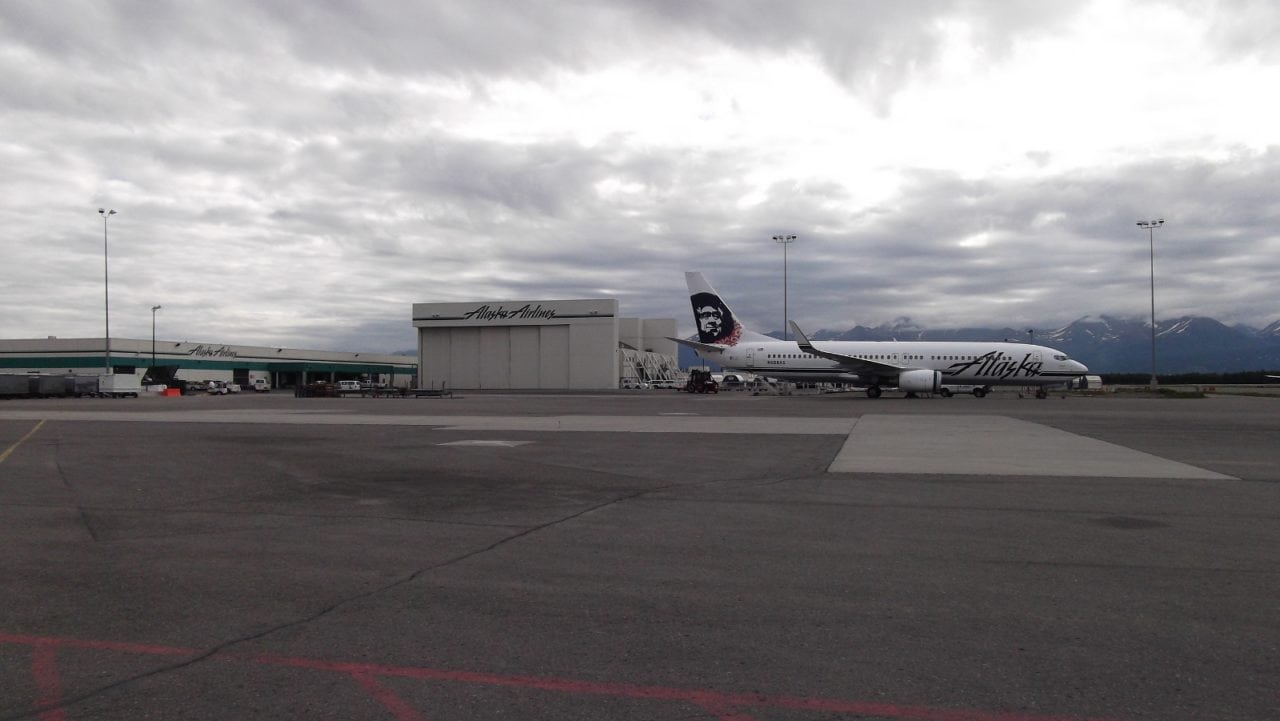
(643, 555)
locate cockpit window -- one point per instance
(1060, 357)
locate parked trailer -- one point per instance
(46, 386)
(15, 386)
(49, 386)
(82, 386)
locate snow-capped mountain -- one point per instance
(1109, 344)
(1272, 331)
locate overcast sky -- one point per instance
(301, 173)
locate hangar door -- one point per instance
(501, 357)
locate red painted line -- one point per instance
(44, 668)
(720, 704)
(139, 648)
(385, 696)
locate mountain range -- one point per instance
(1107, 344)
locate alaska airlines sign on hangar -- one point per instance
(525, 311)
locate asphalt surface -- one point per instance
(650, 555)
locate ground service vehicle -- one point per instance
(700, 381)
(126, 385)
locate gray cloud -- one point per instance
(874, 47)
(1240, 29)
(1090, 258)
(299, 174)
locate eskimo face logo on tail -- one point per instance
(716, 323)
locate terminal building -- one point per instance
(493, 345)
(199, 361)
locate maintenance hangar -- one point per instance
(541, 344)
(197, 361)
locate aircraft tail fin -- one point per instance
(717, 324)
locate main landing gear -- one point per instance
(978, 392)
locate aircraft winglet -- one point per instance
(802, 339)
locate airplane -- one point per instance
(910, 366)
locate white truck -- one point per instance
(122, 385)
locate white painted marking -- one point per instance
(993, 446)
(594, 424)
(499, 444)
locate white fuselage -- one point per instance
(961, 363)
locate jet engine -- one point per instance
(920, 381)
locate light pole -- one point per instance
(784, 241)
(1151, 226)
(154, 308)
(106, 285)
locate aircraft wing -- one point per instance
(857, 365)
(700, 347)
